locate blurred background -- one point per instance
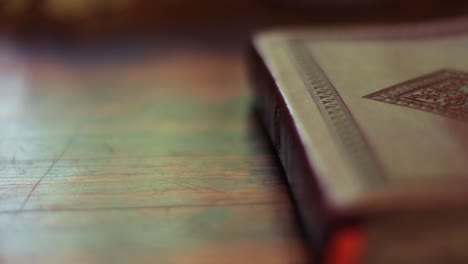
(91, 19)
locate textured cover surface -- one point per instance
(381, 115)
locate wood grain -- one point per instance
(152, 157)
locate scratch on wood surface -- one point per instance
(109, 148)
(67, 146)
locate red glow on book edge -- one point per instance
(346, 247)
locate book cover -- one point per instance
(371, 127)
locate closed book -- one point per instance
(371, 127)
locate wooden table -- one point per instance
(136, 154)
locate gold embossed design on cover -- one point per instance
(336, 114)
(444, 92)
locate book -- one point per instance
(371, 127)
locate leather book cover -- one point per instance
(371, 127)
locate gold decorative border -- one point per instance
(336, 114)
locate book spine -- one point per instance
(279, 125)
(324, 232)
